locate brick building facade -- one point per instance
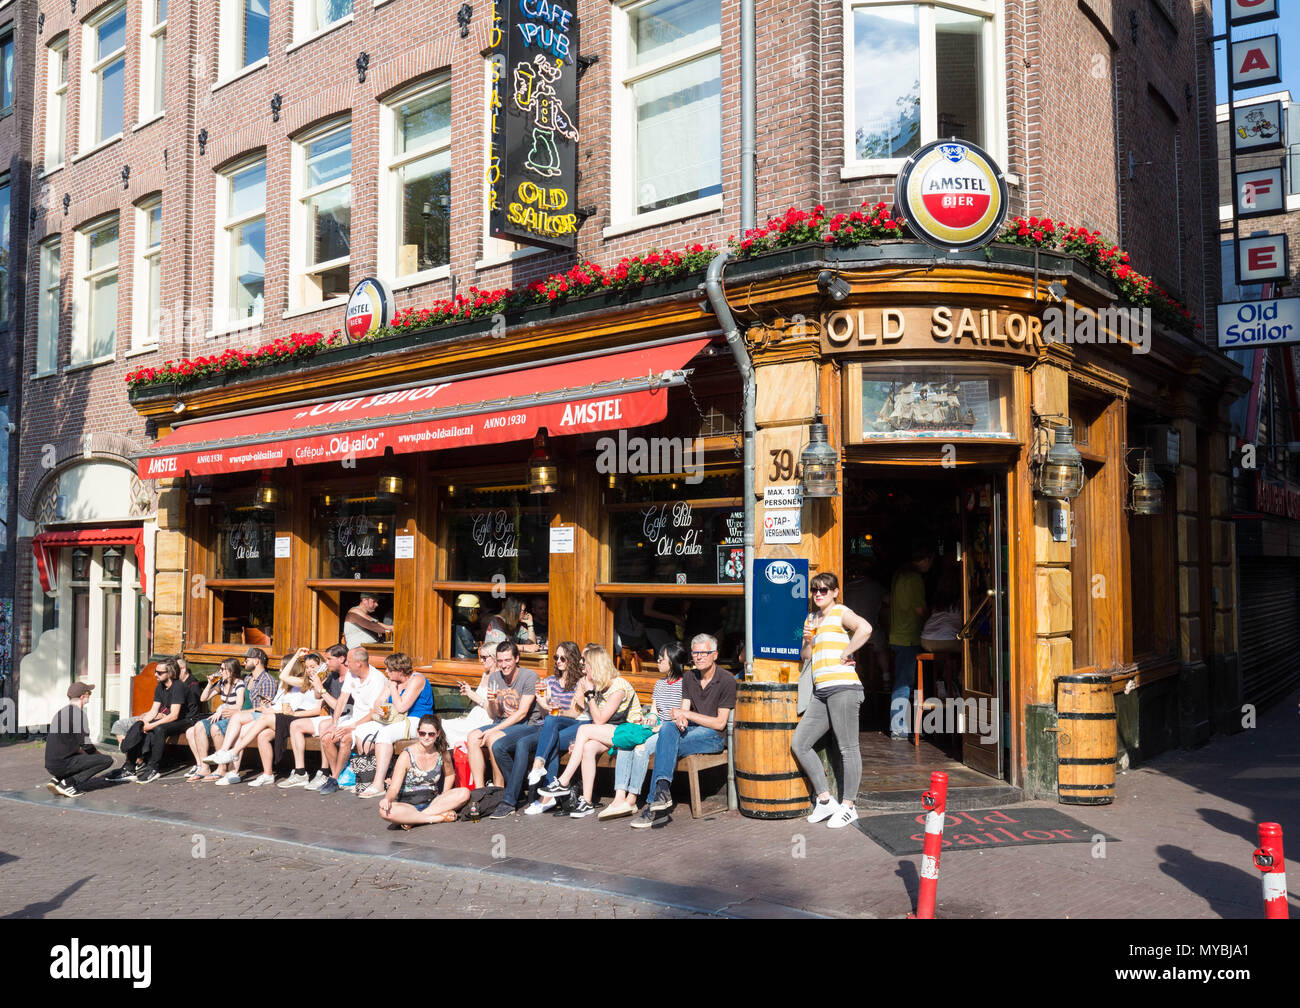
(1100, 113)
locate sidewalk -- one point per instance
(1185, 825)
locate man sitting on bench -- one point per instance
(362, 685)
(146, 739)
(698, 726)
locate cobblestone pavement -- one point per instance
(1185, 825)
(67, 863)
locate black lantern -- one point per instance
(392, 486)
(1061, 474)
(112, 563)
(266, 496)
(819, 461)
(543, 475)
(80, 563)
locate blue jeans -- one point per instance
(673, 744)
(558, 733)
(631, 765)
(513, 752)
(900, 700)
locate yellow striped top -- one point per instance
(829, 641)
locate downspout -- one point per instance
(748, 115)
(718, 301)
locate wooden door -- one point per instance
(984, 595)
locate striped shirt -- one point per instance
(830, 639)
(561, 699)
(667, 698)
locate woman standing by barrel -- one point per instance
(832, 635)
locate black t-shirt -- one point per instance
(66, 738)
(334, 687)
(707, 700)
(192, 705)
(177, 693)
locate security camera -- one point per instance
(833, 284)
(1056, 291)
(11, 427)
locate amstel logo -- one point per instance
(952, 195)
(369, 307)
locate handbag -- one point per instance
(460, 760)
(805, 687)
(363, 768)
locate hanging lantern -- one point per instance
(1147, 495)
(1061, 474)
(80, 563)
(543, 475)
(819, 461)
(392, 486)
(112, 563)
(267, 495)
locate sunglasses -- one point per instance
(823, 591)
(427, 734)
(562, 658)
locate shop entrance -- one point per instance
(957, 517)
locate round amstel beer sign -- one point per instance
(952, 195)
(369, 307)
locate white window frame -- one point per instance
(623, 214)
(300, 232)
(305, 28)
(992, 54)
(85, 277)
(56, 93)
(146, 322)
(11, 36)
(390, 189)
(223, 306)
(91, 79)
(230, 49)
(151, 37)
(51, 281)
(496, 251)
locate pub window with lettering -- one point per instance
(907, 401)
(353, 550)
(914, 73)
(242, 581)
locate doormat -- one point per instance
(980, 830)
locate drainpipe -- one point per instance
(718, 300)
(748, 114)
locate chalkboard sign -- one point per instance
(532, 164)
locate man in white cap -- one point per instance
(69, 756)
(464, 642)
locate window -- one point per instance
(914, 73)
(323, 218)
(314, 16)
(96, 315)
(668, 86)
(240, 282)
(245, 34)
(147, 275)
(4, 248)
(47, 324)
(7, 73)
(906, 401)
(153, 58)
(104, 107)
(419, 176)
(56, 101)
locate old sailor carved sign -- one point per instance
(952, 195)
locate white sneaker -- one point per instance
(823, 810)
(535, 776)
(537, 807)
(845, 815)
(226, 781)
(295, 779)
(195, 772)
(261, 779)
(315, 783)
(220, 757)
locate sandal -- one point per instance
(399, 826)
(445, 817)
(209, 778)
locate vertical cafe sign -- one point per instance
(533, 160)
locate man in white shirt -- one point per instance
(363, 685)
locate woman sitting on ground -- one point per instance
(227, 684)
(634, 751)
(611, 702)
(424, 788)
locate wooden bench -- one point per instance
(689, 765)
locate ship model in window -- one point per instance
(921, 406)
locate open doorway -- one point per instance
(894, 515)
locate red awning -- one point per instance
(576, 397)
(46, 565)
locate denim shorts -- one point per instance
(219, 723)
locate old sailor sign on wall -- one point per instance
(952, 195)
(532, 164)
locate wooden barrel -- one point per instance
(1086, 740)
(768, 782)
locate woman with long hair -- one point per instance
(227, 684)
(611, 702)
(832, 635)
(513, 623)
(634, 751)
(424, 788)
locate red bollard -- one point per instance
(1269, 860)
(934, 802)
